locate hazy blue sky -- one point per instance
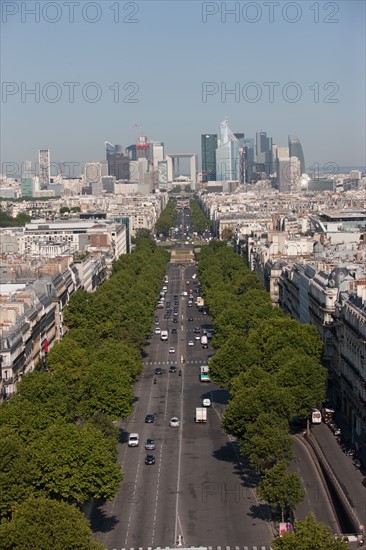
(168, 50)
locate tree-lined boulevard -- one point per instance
(63, 444)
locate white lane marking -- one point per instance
(157, 496)
(177, 520)
(133, 495)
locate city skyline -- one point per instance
(287, 72)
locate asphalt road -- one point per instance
(316, 500)
(198, 489)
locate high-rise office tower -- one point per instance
(110, 149)
(283, 170)
(295, 150)
(264, 152)
(118, 163)
(163, 174)
(157, 153)
(131, 152)
(227, 155)
(142, 148)
(27, 169)
(44, 166)
(247, 166)
(208, 153)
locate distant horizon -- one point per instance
(114, 70)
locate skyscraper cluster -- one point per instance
(232, 156)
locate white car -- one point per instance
(171, 350)
(174, 422)
(133, 440)
(157, 330)
(206, 402)
(197, 337)
(191, 343)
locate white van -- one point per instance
(133, 440)
(164, 335)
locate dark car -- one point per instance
(175, 320)
(197, 330)
(149, 418)
(190, 318)
(158, 370)
(167, 316)
(174, 330)
(149, 460)
(364, 481)
(149, 336)
(172, 368)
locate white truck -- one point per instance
(201, 414)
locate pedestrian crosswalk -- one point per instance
(172, 362)
(260, 547)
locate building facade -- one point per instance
(208, 155)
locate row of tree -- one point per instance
(167, 218)
(269, 362)
(7, 221)
(199, 220)
(57, 440)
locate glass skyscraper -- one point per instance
(208, 152)
(227, 155)
(295, 149)
(264, 152)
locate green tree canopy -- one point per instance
(267, 441)
(281, 488)
(15, 473)
(248, 402)
(46, 524)
(309, 535)
(75, 463)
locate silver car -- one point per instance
(150, 444)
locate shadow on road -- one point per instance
(230, 453)
(263, 512)
(100, 521)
